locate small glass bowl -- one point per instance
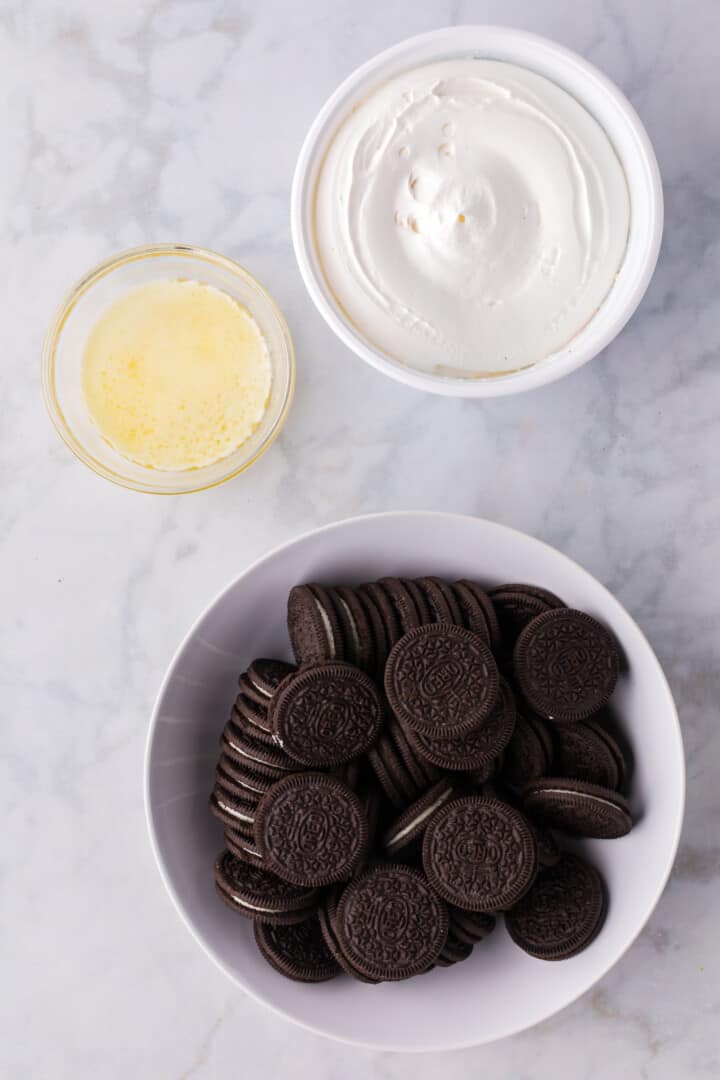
(64, 347)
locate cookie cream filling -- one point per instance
(251, 907)
(261, 761)
(398, 836)
(470, 217)
(235, 813)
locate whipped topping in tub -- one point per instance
(470, 217)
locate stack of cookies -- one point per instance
(387, 797)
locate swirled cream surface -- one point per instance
(470, 217)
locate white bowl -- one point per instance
(499, 990)
(599, 96)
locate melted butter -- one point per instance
(176, 375)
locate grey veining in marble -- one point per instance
(181, 119)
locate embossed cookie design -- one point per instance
(441, 680)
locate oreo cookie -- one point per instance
(402, 602)
(549, 598)
(577, 807)
(327, 714)
(266, 675)
(233, 810)
(257, 894)
(240, 780)
(263, 756)
(480, 854)
(378, 631)
(357, 633)
(483, 601)
(401, 776)
(562, 913)
(253, 714)
(583, 754)
(298, 952)
(476, 750)
(250, 692)
(378, 596)
(514, 610)
(441, 680)
(407, 830)
(471, 927)
(327, 917)
(422, 771)
(243, 847)
(526, 756)
(313, 625)
(419, 598)
(454, 951)
(444, 608)
(311, 829)
(567, 665)
(394, 780)
(391, 924)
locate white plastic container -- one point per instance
(599, 96)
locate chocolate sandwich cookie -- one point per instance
(402, 602)
(386, 610)
(488, 609)
(441, 600)
(422, 771)
(549, 852)
(250, 692)
(357, 631)
(313, 625)
(407, 830)
(441, 680)
(526, 755)
(263, 756)
(471, 927)
(298, 952)
(567, 665)
(240, 725)
(514, 610)
(235, 811)
(311, 829)
(266, 675)
(480, 854)
(473, 615)
(577, 807)
(424, 611)
(390, 923)
(562, 913)
(255, 715)
(243, 847)
(401, 775)
(394, 777)
(549, 598)
(476, 750)
(378, 629)
(327, 714)
(454, 951)
(583, 754)
(240, 780)
(327, 915)
(614, 744)
(258, 894)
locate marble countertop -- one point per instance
(180, 120)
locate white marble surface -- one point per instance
(149, 120)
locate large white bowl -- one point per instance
(593, 90)
(500, 990)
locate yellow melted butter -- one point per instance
(176, 375)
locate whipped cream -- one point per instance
(470, 217)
